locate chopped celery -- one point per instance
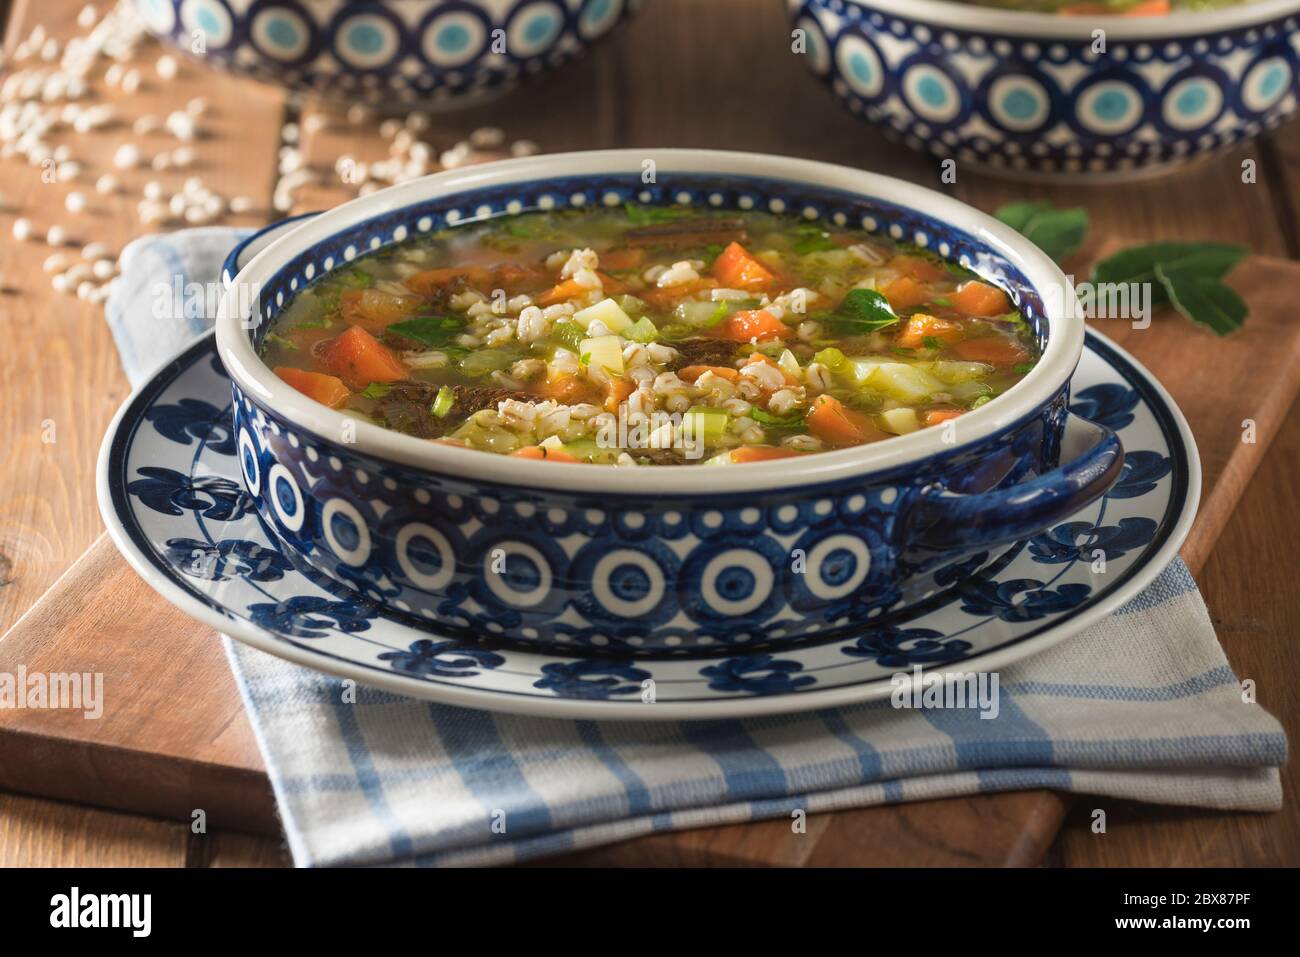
(904, 382)
(982, 400)
(954, 371)
(831, 358)
(706, 422)
(700, 314)
(643, 331)
(965, 391)
(631, 305)
(443, 402)
(567, 334)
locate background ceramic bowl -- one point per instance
(1032, 95)
(443, 54)
(656, 559)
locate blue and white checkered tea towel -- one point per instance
(1142, 706)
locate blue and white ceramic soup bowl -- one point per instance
(437, 54)
(657, 559)
(1037, 95)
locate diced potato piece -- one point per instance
(900, 421)
(603, 352)
(607, 311)
(904, 382)
(953, 371)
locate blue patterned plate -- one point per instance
(171, 495)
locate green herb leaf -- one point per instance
(812, 239)
(429, 331)
(930, 342)
(639, 215)
(1204, 300)
(353, 277)
(1057, 232)
(777, 422)
(1022, 368)
(1138, 264)
(863, 311)
(274, 337)
(377, 390)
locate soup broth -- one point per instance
(651, 336)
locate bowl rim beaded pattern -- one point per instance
(377, 219)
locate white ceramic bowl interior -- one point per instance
(250, 373)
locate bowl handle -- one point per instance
(947, 520)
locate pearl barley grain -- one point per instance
(75, 202)
(127, 156)
(22, 229)
(106, 185)
(56, 236)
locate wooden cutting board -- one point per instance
(174, 737)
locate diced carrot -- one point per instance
(750, 324)
(616, 393)
(612, 286)
(835, 424)
(358, 358)
(518, 277)
(691, 373)
(760, 453)
(1151, 8)
(918, 268)
(629, 258)
(431, 280)
(922, 326)
(737, 269)
(669, 296)
(543, 453)
(373, 310)
(569, 389)
(980, 299)
(936, 416)
(998, 350)
(905, 292)
(325, 389)
(561, 292)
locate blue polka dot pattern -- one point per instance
(1044, 107)
(441, 54)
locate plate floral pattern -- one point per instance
(172, 497)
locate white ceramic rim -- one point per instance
(254, 377)
(755, 706)
(962, 16)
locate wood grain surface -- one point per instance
(175, 737)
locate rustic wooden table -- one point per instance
(686, 73)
